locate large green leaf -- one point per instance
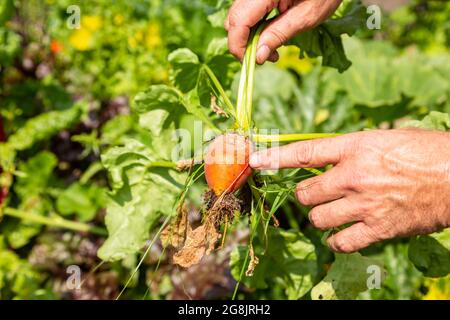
(142, 193)
(431, 253)
(381, 76)
(185, 69)
(161, 104)
(193, 77)
(289, 260)
(346, 278)
(44, 126)
(325, 40)
(82, 200)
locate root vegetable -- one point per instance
(226, 163)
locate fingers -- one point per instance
(320, 189)
(335, 214)
(243, 15)
(304, 16)
(303, 154)
(353, 238)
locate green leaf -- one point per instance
(18, 232)
(346, 278)
(161, 105)
(402, 281)
(44, 126)
(185, 69)
(220, 61)
(10, 46)
(116, 128)
(17, 278)
(325, 40)
(82, 200)
(37, 172)
(381, 76)
(289, 260)
(143, 191)
(434, 121)
(30, 187)
(6, 11)
(157, 103)
(217, 18)
(348, 18)
(431, 253)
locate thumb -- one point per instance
(304, 16)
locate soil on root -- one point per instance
(194, 244)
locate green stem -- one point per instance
(251, 75)
(289, 137)
(245, 93)
(54, 221)
(260, 203)
(241, 98)
(223, 95)
(163, 164)
(93, 169)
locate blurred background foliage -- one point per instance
(65, 96)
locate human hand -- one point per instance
(390, 183)
(295, 16)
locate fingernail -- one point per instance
(262, 53)
(255, 160)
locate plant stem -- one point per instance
(245, 93)
(223, 95)
(54, 221)
(241, 98)
(163, 164)
(251, 74)
(291, 137)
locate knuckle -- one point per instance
(364, 209)
(383, 231)
(234, 19)
(278, 35)
(303, 156)
(353, 181)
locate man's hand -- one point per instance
(389, 183)
(296, 16)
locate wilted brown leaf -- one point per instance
(175, 234)
(199, 242)
(253, 262)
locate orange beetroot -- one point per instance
(226, 163)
